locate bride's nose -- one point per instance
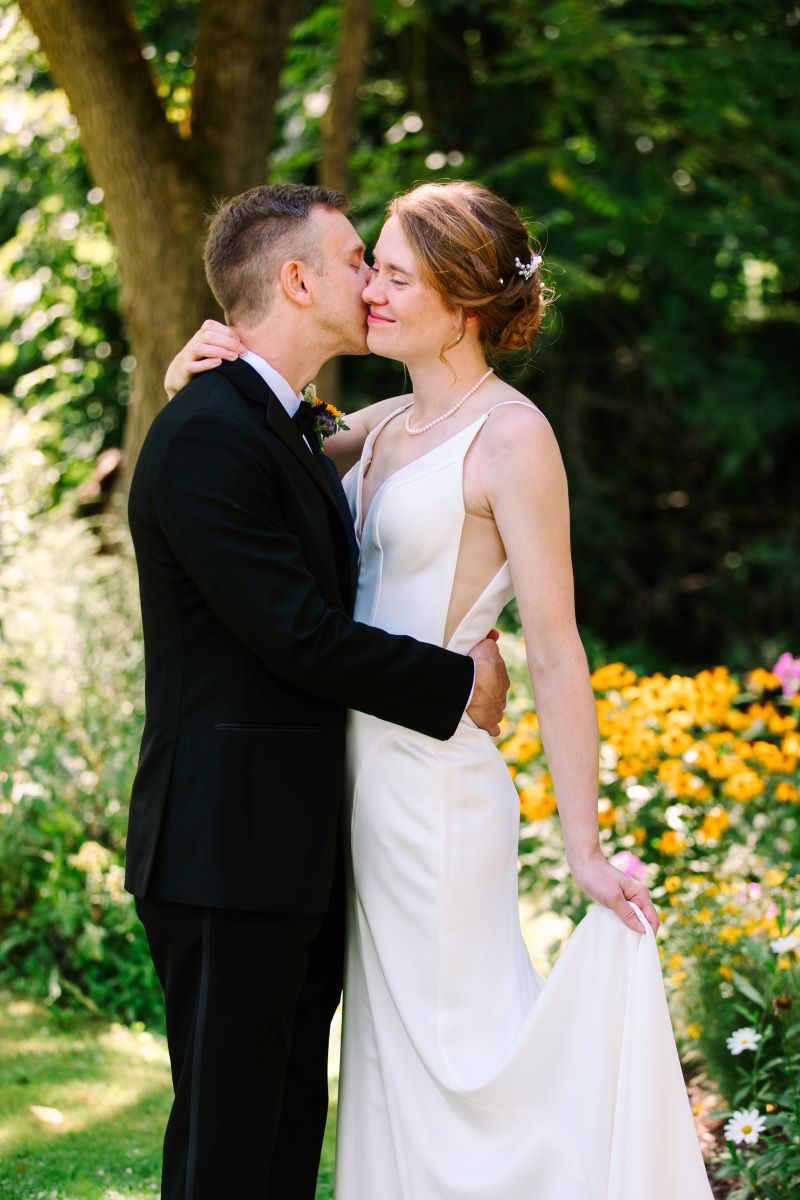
(371, 293)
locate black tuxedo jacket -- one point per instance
(247, 568)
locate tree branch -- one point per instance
(240, 52)
(338, 123)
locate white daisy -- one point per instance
(743, 1039)
(745, 1126)
(783, 945)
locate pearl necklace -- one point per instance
(450, 411)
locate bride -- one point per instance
(465, 1075)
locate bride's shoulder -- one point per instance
(373, 414)
(512, 412)
(517, 432)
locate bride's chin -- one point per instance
(374, 346)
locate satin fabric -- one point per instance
(464, 1074)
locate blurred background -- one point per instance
(653, 148)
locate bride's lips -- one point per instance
(374, 319)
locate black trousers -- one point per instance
(249, 1001)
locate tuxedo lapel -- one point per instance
(320, 469)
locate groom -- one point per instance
(247, 568)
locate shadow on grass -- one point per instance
(83, 1107)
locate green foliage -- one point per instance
(654, 150)
(725, 936)
(71, 714)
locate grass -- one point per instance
(83, 1106)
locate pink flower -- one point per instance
(787, 669)
(629, 864)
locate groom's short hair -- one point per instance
(253, 234)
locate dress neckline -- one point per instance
(361, 518)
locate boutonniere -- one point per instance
(327, 419)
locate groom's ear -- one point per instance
(293, 281)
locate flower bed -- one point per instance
(699, 796)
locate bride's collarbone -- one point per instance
(393, 449)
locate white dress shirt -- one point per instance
(290, 400)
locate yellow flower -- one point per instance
(674, 961)
(714, 824)
(791, 744)
(784, 963)
(629, 765)
(612, 676)
(774, 877)
(730, 933)
(675, 742)
(760, 680)
(521, 747)
(537, 802)
(671, 842)
(786, 793)
(770, 755)
(677, 978)
(726, 972)
(693, 1030)
(703, 916)
(701, 755)
(744, 785)
(639, 834)
(528, 723)
(672, 883)
(606, 813)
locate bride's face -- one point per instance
(408, 319)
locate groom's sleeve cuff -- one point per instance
(472, 689)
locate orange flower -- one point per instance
(606, 813)
(744, 785)
(612, 676)
(671, 842)
(714, 824)
(537, 802)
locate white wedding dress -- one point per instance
(464, 1074)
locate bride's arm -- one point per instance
(204, 350)
(526, 487)
(214, 342)
(344, 447)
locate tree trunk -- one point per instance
(338, 128)
(158, 187)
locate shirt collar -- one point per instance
(290, 400)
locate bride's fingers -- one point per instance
(202, 364)
(627, 915)
(217, 326)
(220, 349)
(640, 895)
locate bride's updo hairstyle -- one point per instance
(474, 249)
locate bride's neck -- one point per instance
(437, 386)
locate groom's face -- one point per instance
(337, 291)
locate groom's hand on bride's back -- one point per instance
(491, 685)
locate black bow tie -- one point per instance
(304, 419)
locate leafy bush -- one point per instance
(733, 985)
(71, 704)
